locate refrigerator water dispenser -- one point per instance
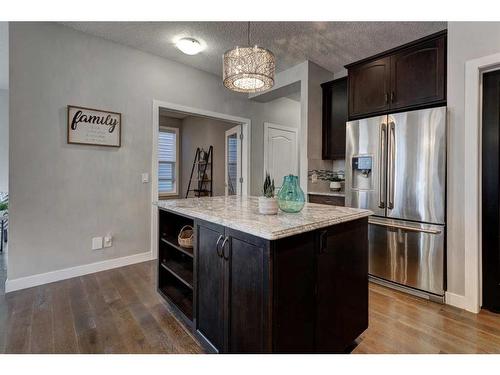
(362, 173)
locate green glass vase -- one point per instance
(291, 197)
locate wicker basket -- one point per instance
(185, 237)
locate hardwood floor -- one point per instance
(119, 311)
(116, 311)
(400, 323)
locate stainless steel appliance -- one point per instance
(396, 167)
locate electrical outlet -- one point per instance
(145, 178)
(108, 240)
(96, 243)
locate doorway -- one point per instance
(245, 164)
(233, 181)
(490, 191)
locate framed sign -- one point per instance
(88, 126)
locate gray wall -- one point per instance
(466, 41)
(63, 195)
(4, 106)
(203, 132)
(4, 140)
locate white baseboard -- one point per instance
(67, 273)
(456, 300)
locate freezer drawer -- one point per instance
(407, 253)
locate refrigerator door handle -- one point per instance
(382, 166)
(405, 227)
(392, 156)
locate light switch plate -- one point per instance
(108, 240)
(96, 243)
(145, 178)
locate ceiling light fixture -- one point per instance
(248, 69)
(189, 46)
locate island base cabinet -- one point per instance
(342, 286)
(248, 293)
(306, 293)
(232, 290)
(209, 276)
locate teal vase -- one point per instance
(291, 197)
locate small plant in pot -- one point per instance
(268, 204)
(335, 183)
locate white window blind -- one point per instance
(167, 161)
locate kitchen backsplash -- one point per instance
(325, 175)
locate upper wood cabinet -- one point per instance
(408, 77)
(369, 86)
(334, 118)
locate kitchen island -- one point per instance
(288, 283)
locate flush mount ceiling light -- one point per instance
(189, 46)
(248, 69)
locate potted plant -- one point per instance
(268, 205)
(335, 183)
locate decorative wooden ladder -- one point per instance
(203, 162)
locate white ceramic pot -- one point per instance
(268, 206)
(335, 185)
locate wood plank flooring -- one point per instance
(119, 311)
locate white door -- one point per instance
(280, 152)
(233, 182)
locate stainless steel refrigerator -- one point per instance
(396, 167)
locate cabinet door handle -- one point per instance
(217, 245)
(223, 251)
(323, 241)
(392, 96)
(386, 98)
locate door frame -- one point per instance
(474, 70)
(268, 125)
(246, 127)
(236, 129)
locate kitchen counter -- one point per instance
(252, 283)
(241, 213)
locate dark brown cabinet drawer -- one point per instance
(327, 199)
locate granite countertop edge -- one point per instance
(266, 234)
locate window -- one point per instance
(168, 168)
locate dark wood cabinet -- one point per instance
(332, 200)
(247, 297)
(369, 86)
(210, 283)
(411, 76)
(342, 279)
(334, 118)
(418, 74)
(232, 289)
(306, 293)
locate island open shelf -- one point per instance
(175, 264)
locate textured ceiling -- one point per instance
(329, 44)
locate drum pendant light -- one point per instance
(248, 69)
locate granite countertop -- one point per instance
(241, 213)
(328, 193)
